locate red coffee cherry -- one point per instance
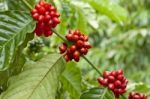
(111, 79)
(115, 81)
(111, 86)
(83, 50)
(73, 48)
(33, 11)
(106, 74)
(105, 82)
(76, 56)
(47, 14)
(136, 95)
(67, 58)
(79, 45)
(63, 48)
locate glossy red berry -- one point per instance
(34, 11)
(120, 77)
(38, 6)
(63, 48)
(111, 79)
(83, 51)
(75, 38)
(69, 37)
(136, 95)
(36, 16)
(41, 18)
(48, 33)
(106, 74)
(42, 10)
(76, 55)
(67, 58)
(100, 80)
(47, 18)
(87, 45)
(111, 86)
(120, 71)
(56, 20)
(73, 48)
(80, 43)
(117, 83)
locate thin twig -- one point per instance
(92, 65)
(102, 96)
(60, 36)
(27, 4)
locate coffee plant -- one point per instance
(74, 49)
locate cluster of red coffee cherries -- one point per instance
(136, 95)
(79, 46)
(115, 81)
(47, 18)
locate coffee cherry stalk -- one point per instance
(76, 45)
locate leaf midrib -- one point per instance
(70, 83)
(34, 89)
(15, 35)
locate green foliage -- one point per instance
(14, 26)
(71, 80)
(112, 10)
(19, 5)
(97, 93)
(37, 80)
(17, 63)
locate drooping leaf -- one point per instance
(81, 21)
(112, 10)
(38, 80)
(139, 87)
(71, 80)
(97, 93)
(14, 26)
(3, 6)
(20, 5)
(86, 15)
(17, 64)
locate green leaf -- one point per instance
(71, 80)
(20, 5)
(3, 5)
(81, 21)
(112, 10)
(14, 25)
(94, 93)
(86, 15)
(17, 64)
(38, 80)
(19, 58)
(97, 93)
(142, 88)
